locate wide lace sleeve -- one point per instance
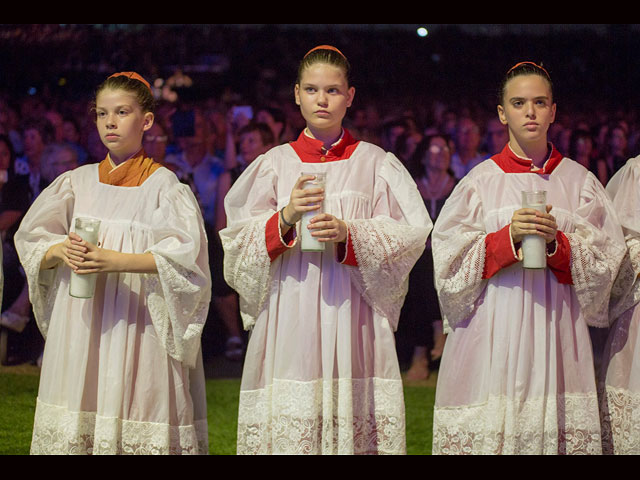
(597, 249)
(624, 190)
(249, 204)
(388, 245)
(458, 246)
(178, 295)
(45, 224)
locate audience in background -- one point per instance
(197, 135)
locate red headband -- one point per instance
(134, 76)
(528, 63)
(325, 47)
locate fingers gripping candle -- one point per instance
(83, 286)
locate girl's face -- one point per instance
(121, 122)
(527, 109)
(323, 96)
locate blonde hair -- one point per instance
(328, 55)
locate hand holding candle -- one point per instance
(82, 285)
(303, 199)
(309, 242)
(534, 226)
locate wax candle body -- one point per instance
(534, 247)
(83, 286)
(310, 243)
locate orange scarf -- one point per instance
(131, 173)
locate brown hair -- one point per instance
(325, 54)
(523, 68)
(140, 90)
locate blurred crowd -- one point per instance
(212, 121)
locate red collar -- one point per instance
(509, 162)
(311, 150)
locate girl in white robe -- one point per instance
(321, 373)
(517, 373)
(620, 379)
(122, 371)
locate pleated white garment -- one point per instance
(517, 373)
(122, 372)
(620, 379)
(321, 373)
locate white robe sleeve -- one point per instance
(459, 236)
(250, 202)
(597, 249)
(388, 245)
(458, 246)
(178, 295)
(624, 190)
(46, 223)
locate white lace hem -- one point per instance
(58, 431)
(338, 416)
(566, 424)
(621, 422)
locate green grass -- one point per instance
(418, 401)
(222, 414)
(17, 406)
(19, 387)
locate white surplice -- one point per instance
(122, 372)
(620, 378)
(321, 373)
(517, 373)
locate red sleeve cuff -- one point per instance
(499, 252)
(559, 262)
(277, 245)
(345, 253)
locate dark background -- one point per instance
(594, 67)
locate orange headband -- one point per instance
(528, 63)
(325, 47)
(134, 76)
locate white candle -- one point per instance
(83, 286)
(534, 247)
(310, 243)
